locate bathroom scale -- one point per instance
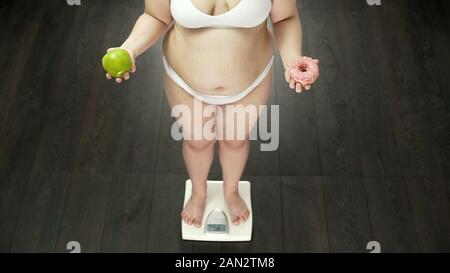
(216, 222)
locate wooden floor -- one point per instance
(365, 156)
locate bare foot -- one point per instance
(192, 213)
(238, 209)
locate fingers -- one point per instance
(295, 85)
(118, 80)
(292, 84)
(298, 88)
(286, 76)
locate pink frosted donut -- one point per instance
(305, 70)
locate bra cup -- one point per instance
(247, 14)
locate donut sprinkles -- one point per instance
(305, 70)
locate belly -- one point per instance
(218, 61)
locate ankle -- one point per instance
(230, 192)
(201, 193)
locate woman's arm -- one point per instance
(288, 35)
(287, 29)
(147, 30)
(149, 27)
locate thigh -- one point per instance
(240, 117)
(191, 114)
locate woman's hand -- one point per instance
(293, 84)
(133, 69)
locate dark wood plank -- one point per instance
(138, 146)
(405, 93)
(347, 214)
(105, 104)
(430, 208)
(85, 211)
(19, 135)
(27, 108)
(127, 222)
(12, 192)
(390, 214)
(138, 139)
(332, 99)
(299, 147)
(266, 238)
(63, 126)
(332, 5)
(304, 214)
(17, 37)
(438, 11)
(370, 107)
(439, 98)
(165, 220)
(431, 13)
(41, 213)
(431, 46)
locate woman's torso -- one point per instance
(218, 61)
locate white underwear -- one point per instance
(215, 99)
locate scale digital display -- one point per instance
(216, 227)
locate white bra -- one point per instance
(246, 14)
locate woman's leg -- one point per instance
(198, 154)
(233, 153)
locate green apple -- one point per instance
(117, 62)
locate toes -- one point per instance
(186, 219)
(245, 215)
(235, 220)
(198, 223)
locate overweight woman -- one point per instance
(218, 53)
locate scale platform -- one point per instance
(216, 222)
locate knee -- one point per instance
(233, 144)
(199, 145)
